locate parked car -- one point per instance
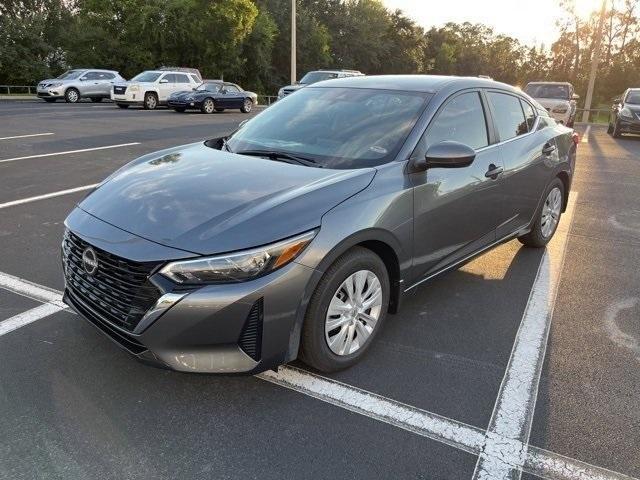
(295, 235)
(558, 98)
(625, 113)
(317, 76)
(74, 85)
(153, 87)
(210, 96)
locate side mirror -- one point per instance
(164, 80)
(447, 154)
(575, 97)
(83, 79)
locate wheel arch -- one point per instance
(566, 182)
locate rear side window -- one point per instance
(181, 78)
(529, 113)
(508, 115)
(107, 76)
(91, 76)
(231, 89)
(461, 120)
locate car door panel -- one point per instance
(456, 210)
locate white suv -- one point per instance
(153, 87)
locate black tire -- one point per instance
(49, 100)
(616, 130)
(150, 101)
(610, 129)
(248, 105)
(179, 109)
(535, 238)
(122, 105)
(314, 349)
(96, 99)
(72, 95)
(208, 106)
(219, 109)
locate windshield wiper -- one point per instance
(281, 157)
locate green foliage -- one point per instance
(248, 41)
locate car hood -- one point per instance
(189, 93)
(552, 102)
(56, 80)
(297, 86)
(206, 201)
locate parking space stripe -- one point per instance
(30, 289)
(68, 152)
(26, 136)
(30, 316)
(510, 425)
(47, 195)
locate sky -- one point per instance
(531, 22)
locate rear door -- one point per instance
(457, 210)
(528, 152)
(182, 83)
(105, 81)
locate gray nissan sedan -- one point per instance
(296, 235)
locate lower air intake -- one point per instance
(251, 336)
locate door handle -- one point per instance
(548, 149)
(493, 171)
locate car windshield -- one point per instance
(146, 77)
(542, 90)
(633, 97)
(313, 77)
(70, 74)
(209, 87)
(334, 127)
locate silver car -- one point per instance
(74, 85)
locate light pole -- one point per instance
(293, 42)
(595, 60)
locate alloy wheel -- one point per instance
(209, 107)
(353, 312)
(72, 96)
(247, 105)
(551, 212)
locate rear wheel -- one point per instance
(548, 217)
(122, 105)
(72, 95)
(208, 106)
(96, 99)
(150, 101)
(248, 105)
(346, 311)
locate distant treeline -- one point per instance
(247, 42)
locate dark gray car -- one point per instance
(298, 233)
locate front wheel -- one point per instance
(208, 106)
(548, 218)
(248, 105)
(150, 101)
(346, 311)
(72, 95)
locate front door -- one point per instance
(456, 210)
(232, 98)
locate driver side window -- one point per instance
(461, 120)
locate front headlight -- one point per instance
(626, 113)
(54, 85)
(560, 109)
(134, 88)
(281, 92)
(238, 267)
(189, 99)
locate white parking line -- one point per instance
(510, 425)
(68, 152)
(30, 316)
(25, 136)
(47, 195)
(29, 289)
(585, 136)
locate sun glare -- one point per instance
(584, 8)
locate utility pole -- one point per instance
(293, 42)
(595, 60)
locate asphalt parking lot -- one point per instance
(522, 361)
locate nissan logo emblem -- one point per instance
(89, 261)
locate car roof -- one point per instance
(549, 83)
(415, 83)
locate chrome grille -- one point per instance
(119, 291)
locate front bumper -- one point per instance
(564, 118)
(628, 125)
(50, 93)
(229, 328)
(172, 103)
(128, 98)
